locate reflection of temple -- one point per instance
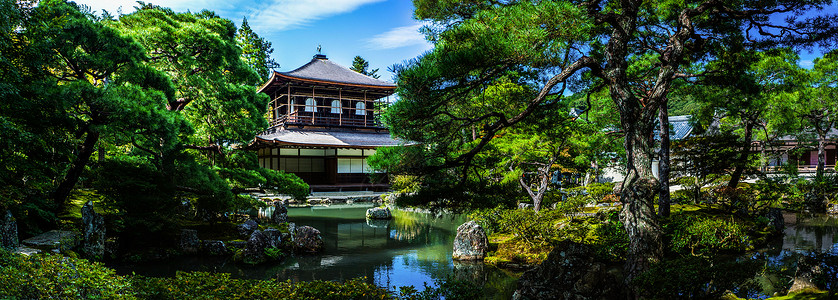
(324, 125)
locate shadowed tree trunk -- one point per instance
(663, 162)
(741, 163)
(72, 177)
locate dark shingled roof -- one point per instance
(681, 128)
(330, 138)
(322, 69)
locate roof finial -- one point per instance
(320, 54)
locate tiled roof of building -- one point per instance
(322, 69)
(681, 128)
(328, 138)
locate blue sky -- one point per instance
(382, 31)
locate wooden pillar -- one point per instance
(365, 108)
(340, 100)
(315, 105)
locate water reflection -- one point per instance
(411, 249)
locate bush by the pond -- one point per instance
(59, 277)
(202, 285)
(699, 234)
(51, 276)
(693, 277)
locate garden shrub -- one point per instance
(704, 235)
(46, 276)
(694, 277)
(598, 191)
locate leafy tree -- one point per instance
(360, 65)
(634, 49)
(256, 51)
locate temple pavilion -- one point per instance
(324, 125)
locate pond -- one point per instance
(412, 249)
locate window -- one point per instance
(336, 106)
(359, 108)
(311, 105)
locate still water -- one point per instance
(412, 249)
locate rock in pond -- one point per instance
(93, 242)
(189, 242)
(274, 237)
(246, 229)
(570, 272)
(471, 242)
(254, 252)
(379, 213)
(307, 240)
(214, 247)
(280, 214)
(8, 232)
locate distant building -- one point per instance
(681, 129)
(324, 124)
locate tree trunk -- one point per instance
(742, 161)
(72, 177)
(638, 194)
(663, 163)
(821, 154)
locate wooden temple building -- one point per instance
(324, 125)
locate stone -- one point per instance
(280, 214)
(236, 244)
(23, 250)
(378, 223)
(807, 270)
(274, 237)
(53, 239)
(289, 236)
(254, 252)
(379, 213)
(525, 206)
(189, 242)
(570, 272)
(775, 219)
(214, 247)
(307, 239)
(8, 232)
(471, 242)
(93, 241)
(246, 229)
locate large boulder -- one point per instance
(93, 242)
(8, 232)
(214, 247)
(804, 278)
(379, 213)
(280, 214)
(189, 242)
(246, 229)
(254, 252)
(471, 242)
(570, 272)
(274, 237)
(307, 240)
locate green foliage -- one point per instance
(202, 285)
(598, 191)
(274, 253)
(707, 235)
(256, 52)
(694, 277)
(59, 277)
(445, 289)
(360, 65)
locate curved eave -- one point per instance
(280, 77)
(272, 141)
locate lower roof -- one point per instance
(319, 137)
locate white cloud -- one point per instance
(279, 15)
(398, 37)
